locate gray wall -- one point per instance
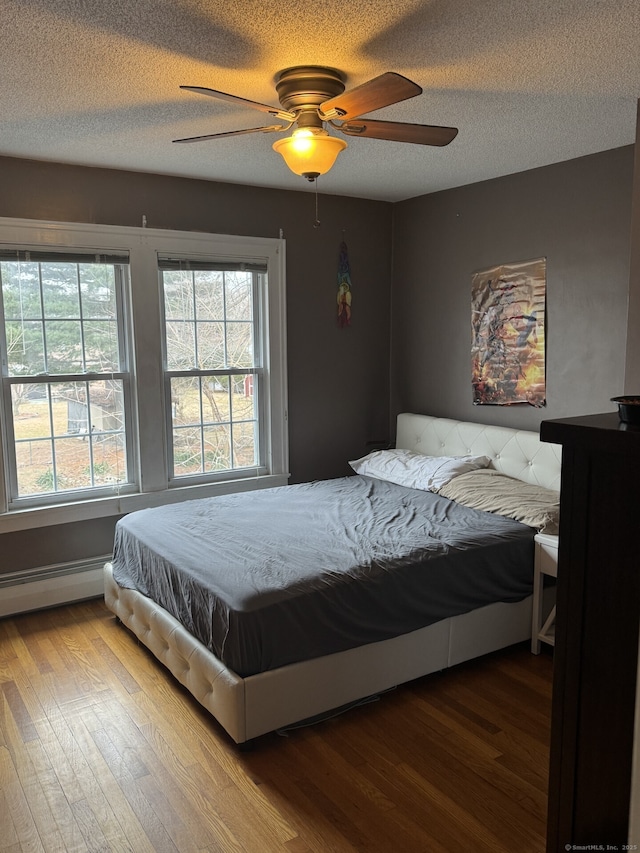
(577, 215)
(338, 378)
(632, 375)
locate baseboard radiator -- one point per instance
(49, 586)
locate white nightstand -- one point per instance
(545, 563)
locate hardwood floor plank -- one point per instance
(113, 662)
(124, 736)
(19, 711)
(296, 845)
(90, 829)
(445, 726)
(102, 750)
(128, 828)
(335, 819)
(128, 783)
(62, 753)
(175, 827)
(80, 783)
(185, 733)
(31, 811)
(57, 802)
(9, 787)
(205, 797)
(179, 788)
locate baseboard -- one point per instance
(50, 586)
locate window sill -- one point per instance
(36, 517)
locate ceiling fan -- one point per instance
(312, 96)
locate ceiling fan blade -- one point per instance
(382, 91)
(234, 99)
(397, 131)
(268, 129)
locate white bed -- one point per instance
(257, 704)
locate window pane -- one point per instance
(209, 295)
(240, 344)
(33, 422)
(217, 448)
(28, 401)
(76, 333)
(216, 393)
(101, 346)
(109, 460)
(181, 345)
(242, 399)
(25, 348)
(21, 290)
(239, 291)
(73, 463)
(244, 445)
(32, 411)
(88, 446)
(98, 290)
(211, 346)
(34, 463)
(187, 451)
(106, 401)
(178, 295)
(185, 401)
(64, 346)
(60, 294)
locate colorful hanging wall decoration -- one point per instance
(344, 287)
(508, 334)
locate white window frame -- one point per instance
(144, 246)
(123, 374)
(260, 311)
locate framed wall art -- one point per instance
(508, 334)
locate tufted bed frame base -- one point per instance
(249, 707)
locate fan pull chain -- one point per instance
(316, 224)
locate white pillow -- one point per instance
(415, 470)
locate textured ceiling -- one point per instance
(527, 82)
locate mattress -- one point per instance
(271, 577)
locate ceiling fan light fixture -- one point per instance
(309, 152)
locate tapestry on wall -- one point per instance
(508, 340)
(344, 287)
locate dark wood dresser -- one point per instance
(597, 619)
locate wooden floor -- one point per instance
(100, 749)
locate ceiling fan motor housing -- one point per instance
(308, 86)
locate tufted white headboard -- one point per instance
(518, 453)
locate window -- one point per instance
(214, 365)
(66, 382)
(138, 367)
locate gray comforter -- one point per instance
(270, 577)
